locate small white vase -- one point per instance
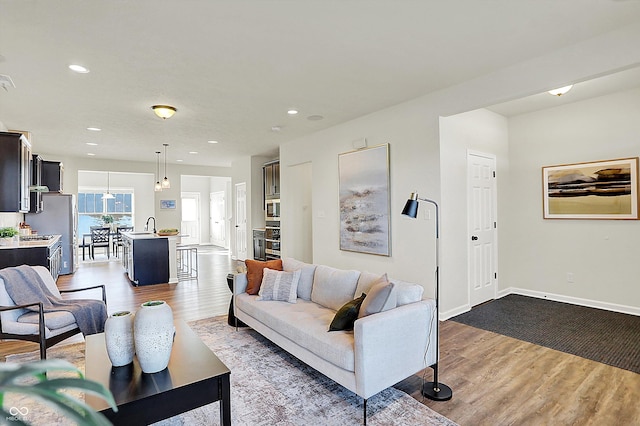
(153, 334)
(118, 336)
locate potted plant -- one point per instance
(31, 380)
(107, 220)
(6, 235)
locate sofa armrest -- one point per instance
(392, 345)
(239, 283)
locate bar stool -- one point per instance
(187, 259)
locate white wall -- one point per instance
(412, 130)
(298, 242)
(537, 254)
(482, 131)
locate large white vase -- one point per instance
(118, 335)
(153, 332)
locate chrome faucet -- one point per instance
(146, 227)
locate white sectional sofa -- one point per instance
(381, 350)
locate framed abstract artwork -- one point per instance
(167, 204)
(596, 190)
(364, 200)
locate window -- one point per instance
(94, 210)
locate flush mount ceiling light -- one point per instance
(164, 111)
(157, 187)
(165, 182)
(561, 91)
(78, 68)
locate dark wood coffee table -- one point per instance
(195, 377)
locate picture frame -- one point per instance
(364, 200)
(167, 204)
(592, 190)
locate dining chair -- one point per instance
(117, 238)
(100, 236)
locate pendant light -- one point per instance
(165, 182)
(108, 195)
(157, 187)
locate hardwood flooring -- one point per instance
(496, 380)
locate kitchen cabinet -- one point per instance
(271, 179)
(147, 258)
(36, 180)
(15, 159)
(46, 251)
(52, 172)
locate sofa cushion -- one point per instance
(366, 281)
(279, 285)
(407, 292)
(254, 272)
(305, 284)
(346, 315)
(306, 324)
(333, 287)
(381, 297)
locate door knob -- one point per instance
(474, 238)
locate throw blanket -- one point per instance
(24, 286)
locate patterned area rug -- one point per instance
(268, 387)
(608, 337)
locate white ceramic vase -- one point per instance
(118, 336)
(153, 334)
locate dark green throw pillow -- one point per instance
(347, 315)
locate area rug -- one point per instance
(608, 337)
(268, 387)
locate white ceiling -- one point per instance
(234, 67)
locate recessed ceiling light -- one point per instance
(315, 117)
(92, 144)
(94, 129)
(561, 91)
(276, 128)
(212, 141)
(292, 112)
(78, 68)
(193, 152)
(91, 154)
(179, 161)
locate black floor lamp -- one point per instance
(433, 390)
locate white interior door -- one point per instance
(218, 209)
(482, 226)
(241, 221)
(190, 224)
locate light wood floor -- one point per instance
(496, 380)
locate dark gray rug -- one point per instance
(608, 337)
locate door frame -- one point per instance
(196, 196)
(494, 208)
(237, 254)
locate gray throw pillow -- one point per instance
(380, 298)
(279, 285)
(305, 284)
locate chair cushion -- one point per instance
(53, 320)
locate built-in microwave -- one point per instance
(272, 209)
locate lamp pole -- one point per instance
(433, 390)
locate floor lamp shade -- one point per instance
(433, 390)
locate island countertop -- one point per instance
(147, 235)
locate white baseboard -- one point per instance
(614, 307)
(453, 312)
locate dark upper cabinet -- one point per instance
(15, 177)
(52, 175)
(271, 178)
(36, 180)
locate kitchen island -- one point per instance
(149, 258)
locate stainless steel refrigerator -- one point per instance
(59, 215)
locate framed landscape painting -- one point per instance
(596, 190)
(364, 200)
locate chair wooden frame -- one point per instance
(104, 234)
(40, 337)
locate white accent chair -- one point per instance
(45, 328)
